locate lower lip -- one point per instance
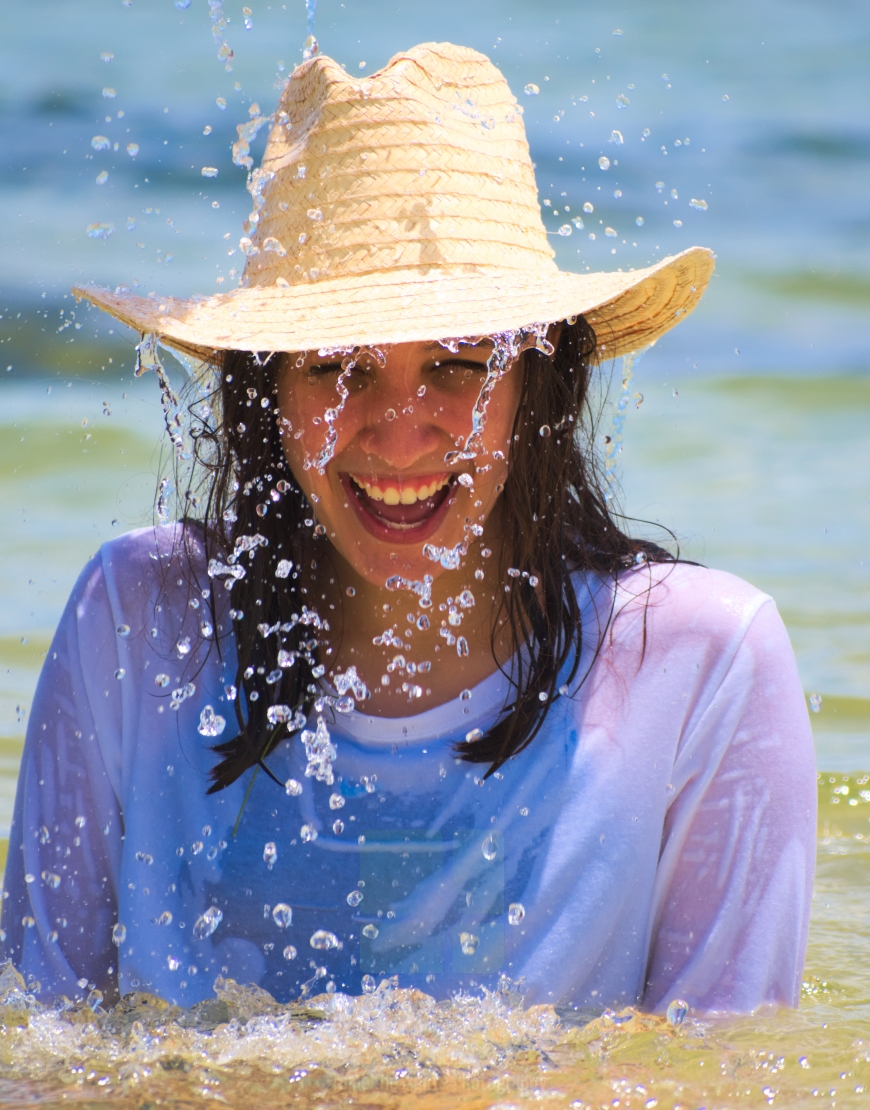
(378, 528)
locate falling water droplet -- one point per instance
(119, 934)
(677, 1011)
(324, 940)
(354, 898)
(490, 848)
(370, 931)
(622, 101)
(210, 723)
(815, 702)
(207, 923)
(282, 915)
(516, 912)
(289, 952)
(270, 854)
(468, 942)
(531, 90)
(604, 162)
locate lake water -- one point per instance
(748, 438)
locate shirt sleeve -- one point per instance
(735, 873)
(60, 896)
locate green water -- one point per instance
(767, 477)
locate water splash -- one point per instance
(613, 442)
(350, 359)
(310, 48)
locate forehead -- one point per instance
(460, 348)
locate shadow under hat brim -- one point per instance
(627, 310)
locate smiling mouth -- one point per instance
(405, 510)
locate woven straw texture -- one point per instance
(403, 207)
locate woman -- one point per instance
(398, 697)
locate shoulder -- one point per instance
(692, 606)
(132, 572)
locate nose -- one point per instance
(400, 438)
(400, 427)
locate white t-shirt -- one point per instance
(656, 840)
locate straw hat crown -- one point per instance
(424, 164)
(402, 207)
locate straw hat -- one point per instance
(403, 207)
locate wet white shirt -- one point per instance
(656, 840)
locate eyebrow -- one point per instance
(436, 346)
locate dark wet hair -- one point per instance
(557, 522)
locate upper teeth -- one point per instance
(402, 495)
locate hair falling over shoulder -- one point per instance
(261, 536)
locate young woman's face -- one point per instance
(387, 490)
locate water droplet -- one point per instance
(109, 94)
(50, 879)
(545, 431)
(293, 788)
(207, 923)
(622, 101)
(270, 854)
(677, 1011)
(678, 223)
(354, 898)
(336, 801)
(308, 833)
(531, 90)
(516, 912)
(164, 919)
(616, 137)
(468, 943)
(370, 931)
(588, 207)
(209, 171)
(120, 672)
(100, 142)
(324, 940)
(462, 647)
(565, 229)
(604, 162)
(338, 826)
(610, 232)
(369, 984)
(639, 221)
(815, 702)
(100, 231)
(282, 915)
(289, 952)
(390, 414)
(81, 822)
(701, 205)
(210, 723)
(489, 848)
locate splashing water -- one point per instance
(423, 589)
(350, 359)
(148, 358)
(507, 348)
(613, 442)
(320, 753)
(311, 48)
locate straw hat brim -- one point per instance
(627, 310)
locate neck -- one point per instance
(401, 648)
